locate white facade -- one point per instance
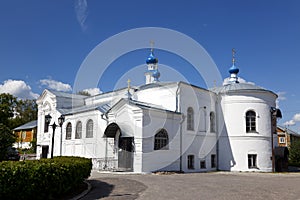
(237, 143)
(163, 126)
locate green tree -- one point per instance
(85, 93)
(13, 113)
(294, 153)
(6, 140)
(7, 104)
(26, 111)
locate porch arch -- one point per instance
(123, 148)
(112, 130)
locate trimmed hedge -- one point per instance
(42, 179)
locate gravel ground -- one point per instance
(214, 185)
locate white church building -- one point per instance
(163, 126)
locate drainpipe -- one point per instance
(217, 111)
(105, 159)
(180, 147)
(273, 115)
(181, 122)
(177, 96)
(219, 127)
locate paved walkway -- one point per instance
(216, 185)
(114, 188)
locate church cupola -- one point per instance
(152, 74)
(151, 59)
(233, 70)
(156, 75)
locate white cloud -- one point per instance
(289, 123)
(292, 122)
(81, 12)
(18, 88)
(241, 80)
(93, 91)
(297, 117)
(281, 97)
(56, 85)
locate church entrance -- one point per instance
(125, 154)
(45, 150)
(122, 149)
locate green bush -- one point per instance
(294, 153)
(42, 179)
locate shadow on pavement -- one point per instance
(99, 190)
(114, 188)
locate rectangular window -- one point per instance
(202, 164)
(213, 161)
(190, 119)
(46, 126)
(23, 135)
(252, 162)
(250, 121)
(190, 162)
(212, 122)
(282, 140)
(250, 126)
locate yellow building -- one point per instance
(286, 136)
(25, 134)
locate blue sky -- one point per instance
(43, 43)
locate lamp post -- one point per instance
(275, 114)
(61, 120)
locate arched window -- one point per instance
(190, 119)
(212, 121)
(68, 131)
(89, 128)
(250, 121)
(78, 132)
(161, 140)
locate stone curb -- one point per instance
(84, 192)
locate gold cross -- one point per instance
(233, 56)
(152, 45)
(128, 84)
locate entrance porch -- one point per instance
(118, 150)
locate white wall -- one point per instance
(163, 96)
(85, 147)
(155, 160)
(235, 143)
(199, 142)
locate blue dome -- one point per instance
(156, 74)
(233, 69)
(151, 59)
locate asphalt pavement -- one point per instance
(212, 185)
